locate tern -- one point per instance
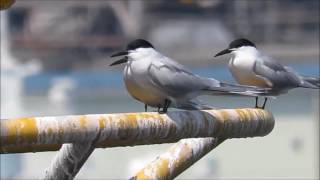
(158, 81)
(251, 67)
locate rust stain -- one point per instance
(141, 176)
(5, 4)
(50, 131)
(162, 169)
(132, 120)
(82, 121)
(24, 131)
(243, 114)
(21, 130)
(150, 115)
(131, 117)
(225, 115)
(102, 122)
(128, 126)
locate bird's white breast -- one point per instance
(242, 68)
(138, 82)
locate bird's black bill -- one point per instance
(120, 61)
(226, 51)
(119, 54)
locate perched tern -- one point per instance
(160, 82)
(250, 67)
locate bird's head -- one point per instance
(236, 45)
(138, 46)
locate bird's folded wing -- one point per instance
(173, 78)
(276, 75)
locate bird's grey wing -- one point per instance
(277, 75)
(172, 78)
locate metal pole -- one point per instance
(182, 155)
(178, 158)
(129, 129)
(70, 159)
(86, 132)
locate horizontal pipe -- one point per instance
(55, 147)
(127, 129)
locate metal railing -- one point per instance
(198, 131)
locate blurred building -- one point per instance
(81, 34)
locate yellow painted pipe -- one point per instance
(127, 129)
(178, 158)
(5, 4)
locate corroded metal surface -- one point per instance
(178, 158)
(47, 133)
(69, 160)
(5, 4)
(186, 152)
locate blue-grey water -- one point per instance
(103, 92)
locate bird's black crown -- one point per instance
(139, 43)
(241, 42)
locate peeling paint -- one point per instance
(141, 176)
(162, 169)
(129, 129)
(82, 121)
(19, 130)
(178, 158)
(102, 122)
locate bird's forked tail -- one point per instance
(310, 82)
(223, 88)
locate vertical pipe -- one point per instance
(69, 160)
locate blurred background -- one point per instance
(55, 57)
